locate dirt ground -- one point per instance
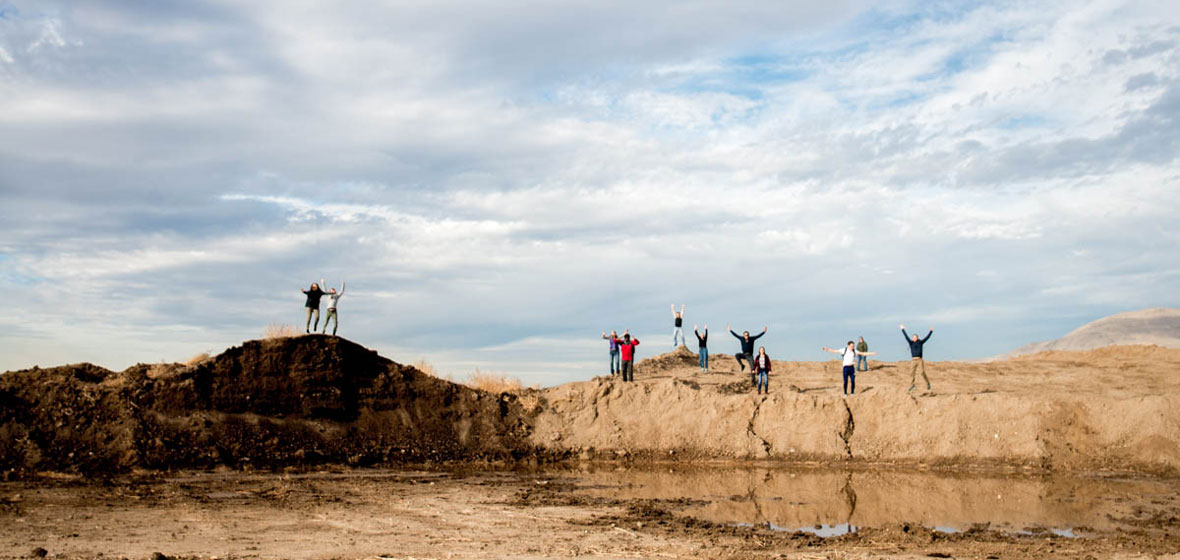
(595, 512)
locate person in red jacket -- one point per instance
(627, 348)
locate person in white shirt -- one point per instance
(333, 299)
(850, 353)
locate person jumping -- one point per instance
(850, 354)
(747, 352)
(677, 322)
(702, 347)
(916, 356)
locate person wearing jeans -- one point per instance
(677, 326)
(614, 351)
(702, 347)
(916, 345)
(761, 365)
(862, 358)
(314, 293)
(850, 355)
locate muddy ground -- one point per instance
(719, 511)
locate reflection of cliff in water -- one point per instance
(828, 498)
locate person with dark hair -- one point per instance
(333, 301)
(916, 356)
(761, 367)
(747, 352)
(677, 326)
(702, 347)
(314, 293)
(627, 347)
(862, 358)
(850, 354)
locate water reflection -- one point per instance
(832, 502)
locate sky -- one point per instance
(499, 182)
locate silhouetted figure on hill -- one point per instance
(916, 356)
(702, 347)
(627, 347)
(333, 301)
(314, 293)
(850, 355)
(747, 352)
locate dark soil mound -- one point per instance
(271, 403)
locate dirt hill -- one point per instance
(1113, 408)
(291, 401)
(1158, 327)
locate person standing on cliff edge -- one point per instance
(862, 355)
(333, 301)
(613, 337)
(627, 347)
(677, 326)
(916, 356)
(702, 347)
(850, 355)
(747, 352)
(314, 293)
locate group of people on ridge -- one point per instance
(854, 355)
(314, 294)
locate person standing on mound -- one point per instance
(916, 356)
(314, 293)
(702, 347)
(747, 352)
(613, 337)
(761, 367)
(851, 354)
(862, 357)
(333, 300)
(627, 347)
(677, 324)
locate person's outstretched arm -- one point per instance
(904, 334)
(928, 335)
(859, 353)
(673, 308)
(735, 335)
(832, 350)
(341, 287)
(759, 335)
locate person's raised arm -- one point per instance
(735, 335)
(759, 335)
(928, 335)
(342, 287)
(682, 309)
(673, 308)
(903, 333)
(604, 335)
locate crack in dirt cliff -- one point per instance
(750, 427)
(849, 428)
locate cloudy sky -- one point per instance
(499, 182)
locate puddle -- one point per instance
(833, 502)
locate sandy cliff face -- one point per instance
(1110, 409)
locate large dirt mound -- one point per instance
(1159, 327)
(1115, 408)
(269, 403)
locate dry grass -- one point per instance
(277, 330)
(425, 367)
(493, 382)
(203, 356)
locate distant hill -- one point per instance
(1159, 326)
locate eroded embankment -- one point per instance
(671, 416)
(270, 403)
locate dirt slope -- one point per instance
(304, 400)
(1114, 408)
(1158, 327)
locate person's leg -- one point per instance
(924, 378)
(704, 359)
(316, 324)
(850, 375)
(335, 321)
(307, 326)
(862, 363)
(914, 372)
(628, 372)
(327, 319)
(738, 357)
(844, 376)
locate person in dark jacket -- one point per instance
(761, 368)
(916, 356)
(747, 352)
(314, 293)
(862, 355)
(702, 347)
